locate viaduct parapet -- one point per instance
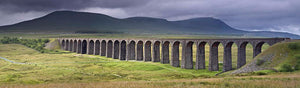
(158, 50)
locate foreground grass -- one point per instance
(71, 67)
(279, 80)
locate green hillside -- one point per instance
(72, 22)
(82, 22)
(283, 57)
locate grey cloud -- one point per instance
(241, 14)
(46, 5)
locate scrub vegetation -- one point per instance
(37, 44)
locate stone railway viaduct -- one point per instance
(149, 50)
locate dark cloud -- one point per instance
(275, 15)
(46, 5)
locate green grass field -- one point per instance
(75, 70)
(71, 67)
(66, 69)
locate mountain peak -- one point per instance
(75, 13)
(63, 12)
(202, 19)
(147, 19)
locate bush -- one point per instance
(37, 44)
(297, 56)
(286, 68)
(259, 62)
(297, 66)
(7, 40)
(293, 46)
(260, 73)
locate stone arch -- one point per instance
(156, 51)
(97, 47)
(175, 54)
(63, 44)
(103, 48)
(200, 57)
(213, 56)
(227, 56)
(91, 47)
(116, 49)
(165, 52)
(139, 51)
(123, 50)
(187, 55)
(84, 47)
(79, 47)
(257, 48)
(109, 49)
(75, 46)
(67, 45)
(147, 52)
(241, 60)
(71, 45)
(131, 50)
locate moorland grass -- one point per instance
(66, 69)
(71, 67)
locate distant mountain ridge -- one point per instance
(83, 22)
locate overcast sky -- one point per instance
(258, 15)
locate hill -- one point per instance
(83, 22)
(279, 57)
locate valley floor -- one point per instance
(64, 69)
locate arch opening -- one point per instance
(103, 48)
(84, 47)
(147, 51)
(109, 49)
(259, 47)
(175, 62)
(156, 52)
(241, 59)
(75, 46)
(71, 45)
(131, 50)
(116, 49)
(139, 51)
(227, 56)
(79, 47)
(67, 45)
(213, 56)
(165, 52)
(63, 44)
(200, 56)
(91, 47)
(97, 47)
(187, 56)
(123, 50)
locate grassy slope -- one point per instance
(275, 56)
(283, 55)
